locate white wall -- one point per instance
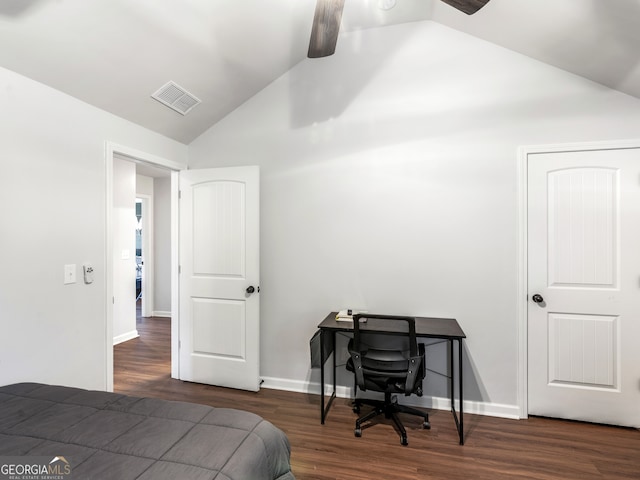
(162, 252)
(144, 185)
(52, 213)
(124, 250)
(389, 182)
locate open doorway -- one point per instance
(153, 241)
(156, 253)
(139, 260)
(144, 237)
(142, 200)
(153, 191)
(151, 238)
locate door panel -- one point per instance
(584, 263)
(219, 327)
(219, 259)
(583, 350)
(582, 227)
(219, 229)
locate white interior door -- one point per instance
(219, 262)
(584, 263)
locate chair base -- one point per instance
(390, 409)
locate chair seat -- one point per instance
(381, 381)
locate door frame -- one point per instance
(522, 249)
(137, 156)
(148, 270)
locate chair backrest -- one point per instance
(382, 360)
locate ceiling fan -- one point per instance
(326, 23)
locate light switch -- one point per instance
(125, 255)
(70, 274)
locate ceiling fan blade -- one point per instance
(326, 25)
(467, 6)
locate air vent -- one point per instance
(176, 98)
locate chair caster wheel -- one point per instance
(357, 432)
(426, 426)
(356, 409)
(404, 442)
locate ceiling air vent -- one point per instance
(176, 98)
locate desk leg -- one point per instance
(461, 431)
(325, 410)
(322, 360)
(334, 366)
(457, 416)
(452, 382)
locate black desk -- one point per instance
(442, 328)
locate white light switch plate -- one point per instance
(69, 274)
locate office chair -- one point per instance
(389, 364)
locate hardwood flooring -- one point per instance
(495, 449)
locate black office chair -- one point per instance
(390, 364)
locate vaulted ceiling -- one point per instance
(115, 53)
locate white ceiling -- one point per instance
(115, 53)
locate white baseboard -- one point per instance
(161, 313)
(437, 403)
(125, 337)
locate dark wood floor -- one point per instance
(495, 449)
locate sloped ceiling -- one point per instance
(115, 53)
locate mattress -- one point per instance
(112, 436)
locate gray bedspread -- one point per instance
(111, 436)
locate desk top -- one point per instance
(425, 326)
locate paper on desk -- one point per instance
(347, 315)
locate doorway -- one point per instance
(151, 167)
(153, 238)
(145, 261)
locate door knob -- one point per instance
(537, 298)
(250, 289)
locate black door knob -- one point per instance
(537, 298)
(250, 289)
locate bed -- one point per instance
(111, 436)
